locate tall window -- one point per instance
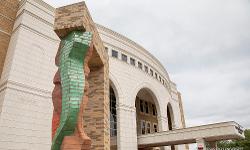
(113, 119)
(146, 107)
(143, 127)
(124, 58)
(132, 61)
(156, 75)
(141, 105)
(151, 72)
(114, 54)
(146, 68)
(148, 128)
(139, 65)
(153, 109)
(155, 128)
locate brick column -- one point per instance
(76, 17)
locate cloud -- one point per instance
(205, 46)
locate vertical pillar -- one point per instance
(127, 133)
(76, 17)
(201, 144)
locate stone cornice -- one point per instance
(35, 16)
(51, 10)
(9, 84)
(35, 31)
(49, 7)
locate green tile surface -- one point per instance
(72, 54)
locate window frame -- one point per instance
(139, 65)
(155, 129)
(148, 128)
(146, 104)
(156, 75)
(124, 58)
(115, 54)
(141, 105)
(146, 68)
(132, 61)
(151, 72)
(143, 127)
(154, 111)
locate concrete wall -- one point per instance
(25, 119)
(128, 81)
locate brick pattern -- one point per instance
(96, 113)
(72, 55)
(8, 10)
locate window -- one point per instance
(113, 118)
(143, 127)
(114, 54)
(124, 58)
(148, 127)
(146, 68)
(141, 105)
(160, 78)
(132, 61)
(163, 82)
(156, 75)
(151, 72)
(146, 107)
(154, 110)
(140, 65)
(155, 128)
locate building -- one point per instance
(143, 99)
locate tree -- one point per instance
(242, 143)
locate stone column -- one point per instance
(201, 144)
(126, 129)
(163, 126)
(162, 123)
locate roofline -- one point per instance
(135, 44)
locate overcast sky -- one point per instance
(203, 44)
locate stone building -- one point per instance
(143, 98)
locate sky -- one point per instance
(203, 44)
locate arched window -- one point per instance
(146, 112)
(113, 118)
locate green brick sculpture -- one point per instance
(73, 50)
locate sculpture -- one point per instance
(70, 94)
(83, 69)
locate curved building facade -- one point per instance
(146, 100)
(143, 99)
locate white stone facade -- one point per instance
(26, 82)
